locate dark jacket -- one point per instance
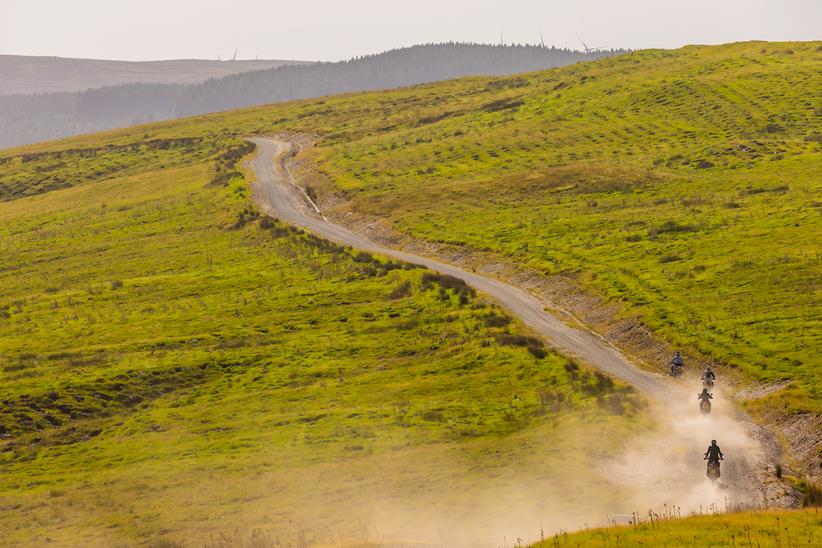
(714, 453)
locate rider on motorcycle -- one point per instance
(709, 375)
(676, 363)
(714, 453)
(705, 395)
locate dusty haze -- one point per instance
(49, 74)
(331, 30)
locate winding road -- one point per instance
(683, 434)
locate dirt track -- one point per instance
(666, 467)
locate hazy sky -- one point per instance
(340, 29)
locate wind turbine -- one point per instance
(235, 54)
(587, 49)
(541, 39)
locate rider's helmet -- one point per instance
(713, 442)
(676, 353)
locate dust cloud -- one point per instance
(660, 470)
(667, 467)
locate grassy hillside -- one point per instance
(173, 366)
(761, 529)
(680, 184)
(150, 329)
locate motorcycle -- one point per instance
(713, 470)
(676, 370)
(705, 406)
(707, 383)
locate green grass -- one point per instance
(761, 529)
(683, 185)
(680, 184)
(172, 366)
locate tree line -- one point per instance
(31, 118)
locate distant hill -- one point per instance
(26, 74)
(30, 118)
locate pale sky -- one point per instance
(340, 29)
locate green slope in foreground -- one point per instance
(760, 529)
(173, 366)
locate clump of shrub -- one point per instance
(226, 161)
(616, 400)
(448, 283)
(401, 291)
(675, 160)
(673, 226)
(552, 400)
(511, 83)
(761, 190)
(367, 264)
(372, 266)
(434, 118)
(534, 345)
(247, 215)
(496, 320)
(669, 226)
(617, 403)
(276, 228)
(502, 104)
(363, 257)
(41, 410)
(604, 383)
(572, 369)
(433, 415)
(311, 193)
(811, 493)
